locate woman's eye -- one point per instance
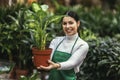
(70, 22)
(64, 23)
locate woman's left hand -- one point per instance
(52, 65)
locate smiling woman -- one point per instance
(68, 52)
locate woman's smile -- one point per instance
(68, 30)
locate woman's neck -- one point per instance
(72, 37)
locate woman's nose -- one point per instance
(67, 25)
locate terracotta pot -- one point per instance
(12, 73)
(41, 57)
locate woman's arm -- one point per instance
(77, 57)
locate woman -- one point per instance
(69, 51)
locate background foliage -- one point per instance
(102, 61)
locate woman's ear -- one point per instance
(78, 23)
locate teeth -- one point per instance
(68, 30)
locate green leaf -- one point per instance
(36, 7)
(103, 62)
(23, 78)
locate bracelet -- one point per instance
(58, 65)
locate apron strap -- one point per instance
(74, 45)
(59, 44)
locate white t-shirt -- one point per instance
(79, 51)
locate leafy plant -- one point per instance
(87, 34)
(9, 31)
(23, 47)
(40, 19)
(101, 22)
(7, 40)
(102, 61)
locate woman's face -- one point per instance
(70, 25)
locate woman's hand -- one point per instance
(52, 65)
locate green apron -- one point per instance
(59, 56)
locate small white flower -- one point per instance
(44, 7)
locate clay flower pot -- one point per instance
(41, 57)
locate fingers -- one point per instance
(44, 67)
(50, 62)
(51, 65)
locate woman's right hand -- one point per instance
(52, 65)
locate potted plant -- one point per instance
(39, 20)
(23, 48)
(24, 57)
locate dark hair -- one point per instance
(72, 14)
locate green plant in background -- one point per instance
(87, 34)
(102, 61)
(97, 20)
(7, 40)
(117, 36)
(8, 31)
(9, 10)
(21, 34)
(59, 7)
(40, 19)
